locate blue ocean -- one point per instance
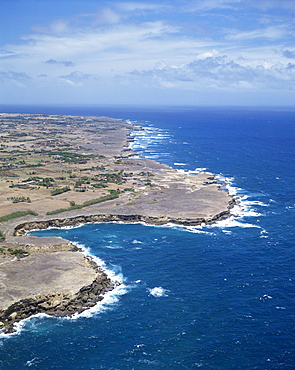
(218, 297)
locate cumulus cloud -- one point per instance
(289, 54)
(16, 76)
(56, 27)
(141, 7)
(291, 66)
(220, 72)
(99, 51)
(19, 79)
(175, 44)
(75, 78)
(66, 63)
(106, 16)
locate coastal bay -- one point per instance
(61, 171)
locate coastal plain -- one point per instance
(58, 171)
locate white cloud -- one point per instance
(207, 5)
(272, 4)
(76, 78)
(19, 79)
(66, 63)
(142, 6)
(8, 54)
(264, 5)
(222, 73)
(159, 56)
(120, 48)
(271, 33)
(106, 16)
(57, 27)
(289, 54)
(151, 45)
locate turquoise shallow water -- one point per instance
(220, 297)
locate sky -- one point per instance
(184, 52)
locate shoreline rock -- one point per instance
(57, 304)
(60, 304)
(23, 228)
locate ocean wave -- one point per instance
(242, 210)
(114, 274)
(191, 229)
(112, 247)
(195, 171)
(110, 299)
(227, 232)
(147, 137)
(33, 362)
(153, 156)
(196, 230)
(255, 203)
(28, 232)
(20, 326)
(226, 183)
(158, 292)
(233, 222)
(245, 206)
(135, 241)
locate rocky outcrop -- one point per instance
(33, 248)
(57, 304)
(159, 220)
(64, 304)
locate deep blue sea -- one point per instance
(219, 297)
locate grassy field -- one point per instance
(57, 161)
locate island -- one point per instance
(62, 171)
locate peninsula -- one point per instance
(58, 171)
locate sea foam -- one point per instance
(158, 292)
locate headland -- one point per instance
(58, 171)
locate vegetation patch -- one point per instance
(20, 199)
(60, 190)
(99, 186)
(34, 165)
(19, 251)
(2, 236)
(17, 214)
(114, 194)
(68, 157)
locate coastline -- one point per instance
(23, 228)
(160, 195)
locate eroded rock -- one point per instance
(57, 304)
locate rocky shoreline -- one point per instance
(23, 228)
(61, 304)
(57, 304)
(115, 186)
